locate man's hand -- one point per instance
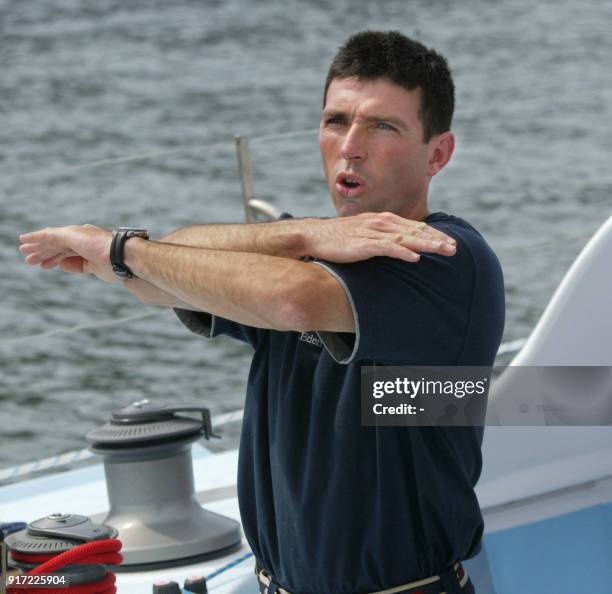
(359, 237)
(76, 248)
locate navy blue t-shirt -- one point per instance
(329, 506)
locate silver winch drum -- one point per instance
(149, 479)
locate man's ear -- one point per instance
(441, 148)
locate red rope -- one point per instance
(99, 551)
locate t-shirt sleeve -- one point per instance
(404, 311)
(209, 325)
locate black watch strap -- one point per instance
(120, 236)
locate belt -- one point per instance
(452, 580)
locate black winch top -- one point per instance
(143, 421)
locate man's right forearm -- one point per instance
(151, 295)
(277, 238)
(283, 238)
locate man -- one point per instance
(329, 506)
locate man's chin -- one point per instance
(349, 209)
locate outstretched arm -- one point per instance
(262, 290)
(254, 289)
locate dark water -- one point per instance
(86, 82)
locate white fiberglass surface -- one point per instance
(520, 462)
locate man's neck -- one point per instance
(416, 212)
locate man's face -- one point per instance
(371, 142)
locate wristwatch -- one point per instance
(120, 236)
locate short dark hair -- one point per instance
(372, 55)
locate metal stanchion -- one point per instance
(245, 168)
(252, 206)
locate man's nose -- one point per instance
(354, 144)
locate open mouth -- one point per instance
(347, 181)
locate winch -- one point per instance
(78, 548)
(149, 478)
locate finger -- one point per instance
(38, 254)
(34, 259)
(50, 262)
(47, 251)
(421, 229)
(427, 231)
(421, 244)
(414, 229)
(51, 236)
(390, 222)
(29, 248)
(402, 253)
(393, 249)
(32, 236)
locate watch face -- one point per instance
(132, 232)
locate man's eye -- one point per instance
(385, 126)
(334, 120)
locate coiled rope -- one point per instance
(104, 552)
